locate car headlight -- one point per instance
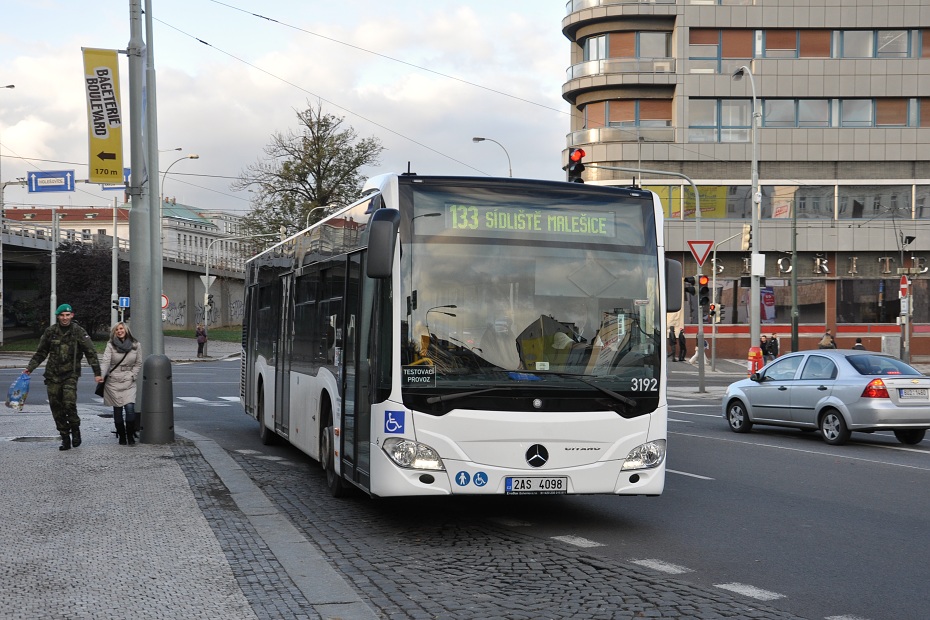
(411, 454)
(646, 456)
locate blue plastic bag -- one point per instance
(16, 395)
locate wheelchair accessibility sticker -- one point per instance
(394, 421)
(463, 478)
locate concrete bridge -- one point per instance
(26, 245)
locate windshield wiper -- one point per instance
(626, 400)
(432, 400)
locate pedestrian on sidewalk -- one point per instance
(859, 346)
(682, 345)
(201, 338)
(122, 362)
(773, 346)
(672, 343)
(697, 348)
(64, 343)
(766, 353)
(827, 341)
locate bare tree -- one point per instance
(317, 165)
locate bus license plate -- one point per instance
(553, 485)
(920, 393)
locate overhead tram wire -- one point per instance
(332, 103)
(572, 113)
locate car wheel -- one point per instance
(737, 417)
(910, 436)
(264, 435)
(327, 459)
(833, 428)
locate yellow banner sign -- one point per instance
(104, 117)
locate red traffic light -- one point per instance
(703, 280)
(576, 155)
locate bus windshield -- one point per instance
(510, 293)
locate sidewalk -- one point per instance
(109, 531)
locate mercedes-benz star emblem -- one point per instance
(537, 455)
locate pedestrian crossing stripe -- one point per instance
(223, 401)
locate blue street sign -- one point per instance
(51, 181)
(117, 186)
(123, 302)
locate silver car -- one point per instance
(835, 392)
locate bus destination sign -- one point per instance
(485, 219)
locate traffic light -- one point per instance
(704, 283)
(721, 313)
(575, 166)
(712, 312)
(689, 286)
(115, 303)
(746, 239)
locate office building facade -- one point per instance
(840, 92)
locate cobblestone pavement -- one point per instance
(443, 558)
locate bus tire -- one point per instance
(265, 436)
(334, 482)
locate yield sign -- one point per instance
(700, 250)
(904, 286)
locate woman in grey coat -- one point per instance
(124, 353)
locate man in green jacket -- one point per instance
(64, 343)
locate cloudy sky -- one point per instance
(423, 76)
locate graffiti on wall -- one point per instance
(236, 310)
(175, 314)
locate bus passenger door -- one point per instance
(353, 401)
(283, 358)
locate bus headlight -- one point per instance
(646, 456)
(411, 454)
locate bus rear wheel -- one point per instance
(334, 481)
(265, 436)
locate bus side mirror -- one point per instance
(382, 234)
(673, 292)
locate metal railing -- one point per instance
(20, 232)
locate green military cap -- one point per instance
(63, 308)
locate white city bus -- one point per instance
(453, 335)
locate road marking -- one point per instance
(751, 591)
(248, 451)
(192, 399)
(577, 541)
(845, 618)
(509, 522)
(816, 452)
(234, 399)
(663, 567)
(684, 473)
(681, 421)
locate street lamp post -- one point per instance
(206, 278)
(2, 222)
(756, 263)
(509, 167)
(309, 213)
(165, 174)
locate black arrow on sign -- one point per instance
(102, 155)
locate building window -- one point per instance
(867, 301)
(815, 43)
(781, 44)
(855, 113)
(85, 234)
(779, 113)
(892, 44)
(654, 45)
(813, 113)
(891, 112)
(595, 48)
(719, 51)
(734, 120)
(856, 44)
(875, 202)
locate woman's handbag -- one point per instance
(103, 384)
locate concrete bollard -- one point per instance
(157, 417)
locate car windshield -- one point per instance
(881, 365)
